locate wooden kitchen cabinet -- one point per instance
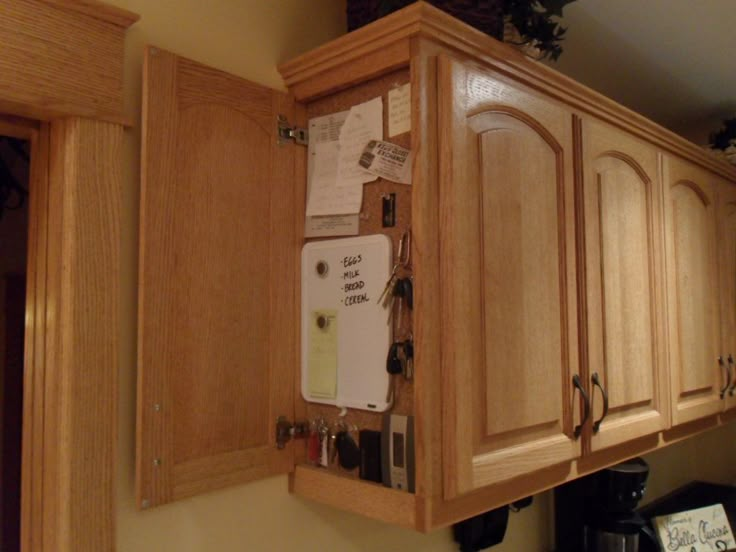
(507, 262)
(553, 230)
(696, 376)
(623, 315)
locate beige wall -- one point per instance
(249, 38)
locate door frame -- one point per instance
(61, 88)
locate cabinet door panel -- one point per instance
(622, 198)
(727, 277)
(692, 291)
(508, 295)
(216, 289)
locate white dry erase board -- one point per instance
(345, 331)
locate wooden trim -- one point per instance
(99, 10)
(62, 58)
(18, 127)
(360, 497)
(425, 252)
(80, 403)
(422, 19)
(69, 66)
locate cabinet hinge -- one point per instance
(288, 133)
(286, 431)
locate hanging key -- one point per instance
(393, 366)
(324, 438)
(396, 295)
(313, 443)
(388, 291)
(393, 362)
(408, 348)
(408, 291)
(404, 293)
(332, 445)
(348, 453)
(403, 259)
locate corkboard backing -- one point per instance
(371, 223)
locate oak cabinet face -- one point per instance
(574, 286)
(508, 208)
(692, 289)
(623, 278)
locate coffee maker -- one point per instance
(597, 513)
(611, 521)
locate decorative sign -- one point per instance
(702, 530)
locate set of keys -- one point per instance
(326, 444)
(401, 358)
(398, 287)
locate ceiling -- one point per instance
(673, 61)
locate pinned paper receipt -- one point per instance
(387, 160)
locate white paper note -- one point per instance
(399, 110)
(331, 225)
(323, 197)
(364, 123)
(326, 128)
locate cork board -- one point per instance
(371, 222)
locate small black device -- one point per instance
(370, 455)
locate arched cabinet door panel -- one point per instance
(508, 284)
(624, 313)
(692, 292)
(217, 235)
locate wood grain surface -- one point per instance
(623, 278)
(217, 281)
(80, 404)
(60, 61)
(508, 272)
(420, 19)
(692, 292)
(618, 170)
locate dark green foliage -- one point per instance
(537, 23)
(536, 20)
(721, 139)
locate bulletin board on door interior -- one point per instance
(371, 221)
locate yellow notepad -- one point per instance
(323, 354)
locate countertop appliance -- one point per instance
(612, 523)
(597, 513)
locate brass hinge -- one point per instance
(286, 431)
(288, 134)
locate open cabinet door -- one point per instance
(217, 310)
